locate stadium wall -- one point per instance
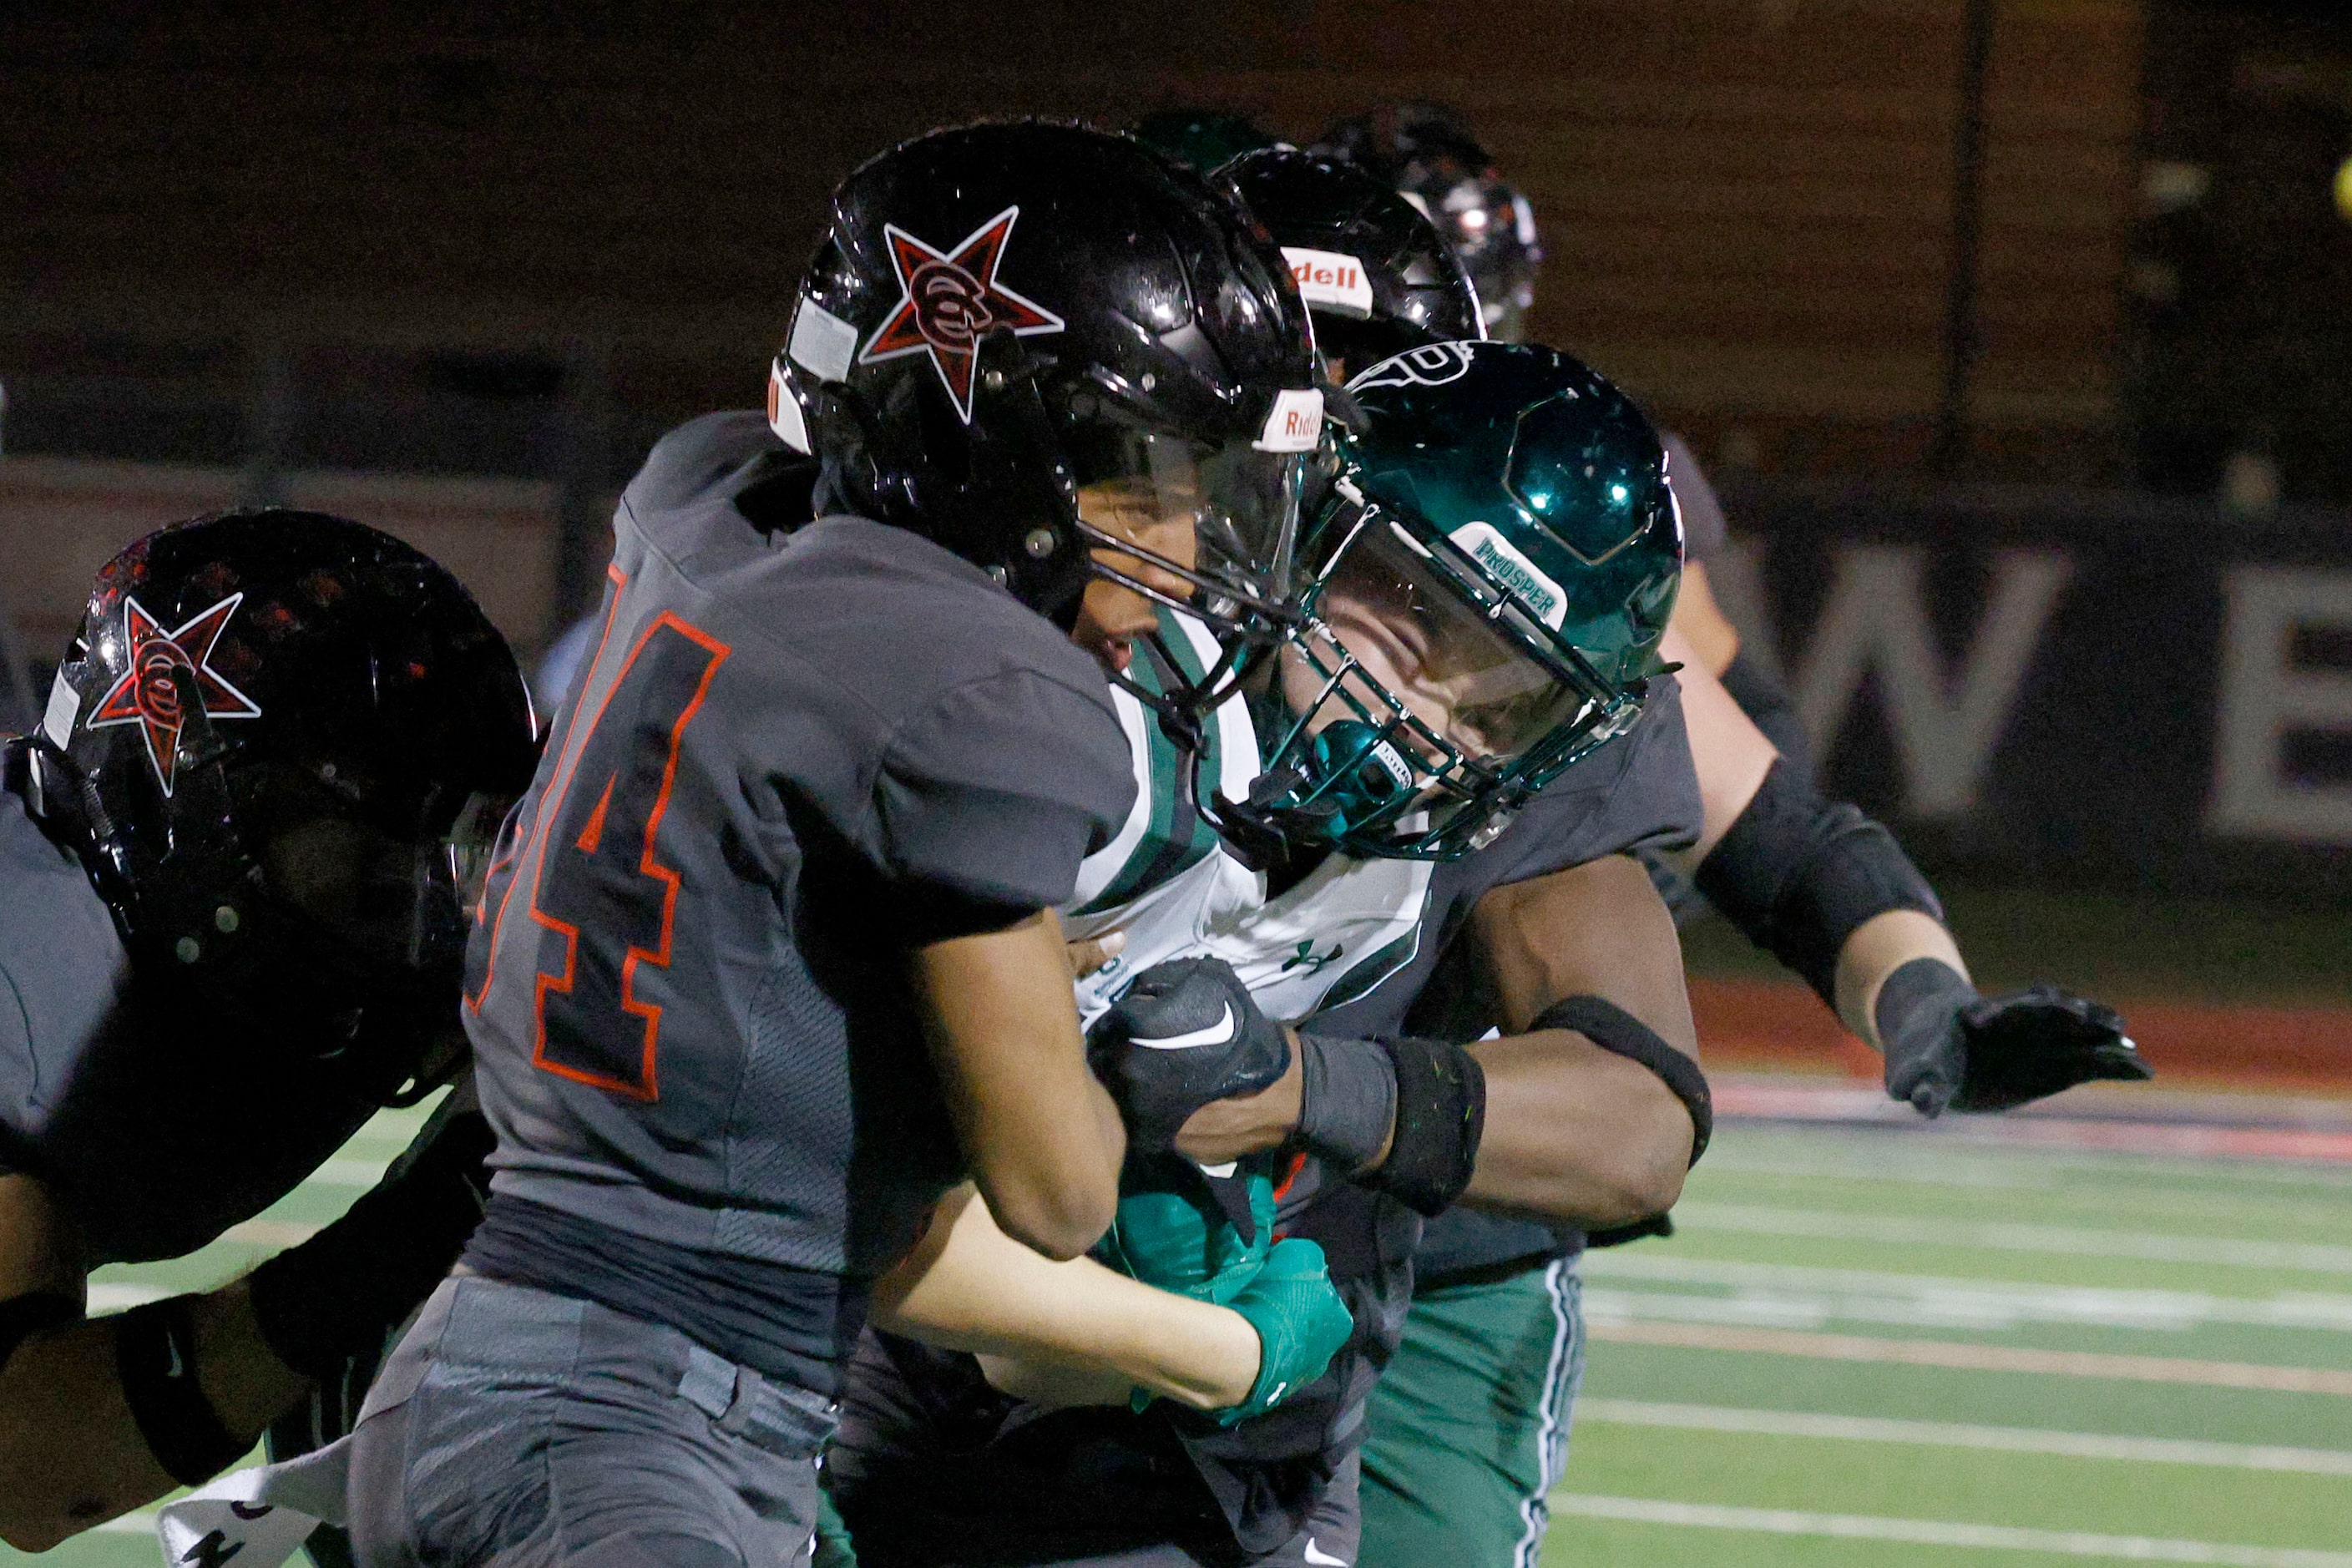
(1750, 203)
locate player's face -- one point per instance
(1444, 663)
(1155, 518)
(395, 902)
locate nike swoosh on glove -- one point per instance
(1186, 1033)
(1301, 1324)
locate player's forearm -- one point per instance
(1041, 1136)
(1878, 947)
(971, 1287)
(1577, 1134)
(72, 1454)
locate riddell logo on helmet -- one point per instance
(1330, 280)
(949, 302)
(147, 693)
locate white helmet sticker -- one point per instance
(1504, 562)
(65, 707)
(784, 416)
(1432, 364)
(1295, 424)
(1331, 279)
(822, 344)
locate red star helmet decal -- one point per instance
(147, 695)
(950, 299)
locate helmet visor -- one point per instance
(1398, 623)
(1418, 700)
(1208, 528)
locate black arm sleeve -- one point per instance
(1798, 874)
(1764, 696)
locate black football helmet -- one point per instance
(1005, 314)
(1429, 153)
(281, 742)
(1376, 274)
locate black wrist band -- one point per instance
(1612, 1028)
(1441, 1112)
(155, 1356)
(1913, 987)
(1346, 1100)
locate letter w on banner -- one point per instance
(1945, 725)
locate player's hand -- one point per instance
(1953, 1048)
(1301, 1324)
(1185, 1034)
(1091, 952)
(1183, 1229)
(2019, 1048)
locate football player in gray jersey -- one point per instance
(234, 850)
(1459, 712)
(768, 963)
(1469, 1428)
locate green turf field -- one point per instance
(1869, 1348)
(2184, 1303)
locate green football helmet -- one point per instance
(1481, 600)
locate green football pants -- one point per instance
(1468, 1428)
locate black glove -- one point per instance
(338, 1293)
(1186, 1033)
(1948, 1046)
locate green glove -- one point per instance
(1176, 1230)
(1301, 1323)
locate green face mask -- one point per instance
(1481, 601)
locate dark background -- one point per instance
(1953, 272)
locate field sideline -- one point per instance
(1885, 1345)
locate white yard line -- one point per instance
(1955, 1434)
(1938, 1532)
(1788, 1292)
(1977, 1358)
(344, 1172)
(2312, 1257)
(118, 1297)
(1885, 1156)
(140, 1523)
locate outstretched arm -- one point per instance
(1063, 1333)
(1831, 894)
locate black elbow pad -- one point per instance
(1798, 874)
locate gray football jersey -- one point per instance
(928, 1453)
(794, 753)
(158, 1123)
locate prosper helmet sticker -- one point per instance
(950, 299)
(147, 695)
